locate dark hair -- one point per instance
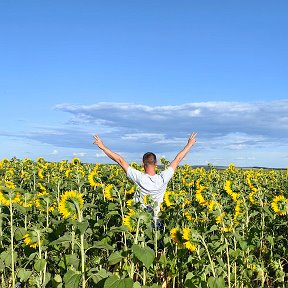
(149, 158)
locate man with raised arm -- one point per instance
(149, 182)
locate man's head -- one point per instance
(149, 159)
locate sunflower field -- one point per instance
(73, 224)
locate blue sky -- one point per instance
(144, 75)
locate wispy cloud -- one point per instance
(131, 128)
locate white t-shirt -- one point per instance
(153, 185)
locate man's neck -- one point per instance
(150, 170)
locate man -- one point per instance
(149, 182)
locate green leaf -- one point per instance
(19, 233)
(137, 285)
(57, 278)
(32, 256)
(82, 226)
(191, 281)
(268, 211)
(119, 229)
(102, 274)
(47, 278)
(144, 254)
(62, 239)
(39, 264)
(6, 257)
(101, 245)
(72, 279)
(115, 282)
(114, 258)
(216, 282)
(24, 274)
(213, 228)
(73, 260)
(243, 244)
(221, 248)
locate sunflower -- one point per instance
(9, 173)
(40, 161)
(188, 216)
(229, 191)
(131, 190)
(9, 184)
(221, 220)
(190, 239)
(42, 201)
(93, 179)
(167, 198)
(237, 211)
(42, 188)
(187, 202)
(75, 161)
(40, 173)
(147, 199)
(108, 192)
(129, 202)
(280, 205)
(67, 173)
(27, 200)
(31, 239)
(176, 236)
(70, 202)
(198, 195)
(232, 167)
(129, 221)
(187, 182)
(6, 196)
(25, 176)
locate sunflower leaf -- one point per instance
(72, 279)
(39, 264)
(115, 282)
(144, 254)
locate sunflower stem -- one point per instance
(41, 274)
(122, 215)
(82, 260)
(82, 250)
(228, 264)
(12, 243)
(208, 254)
(1, 224)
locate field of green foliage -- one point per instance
(71, 224)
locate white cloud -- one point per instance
(79, 154)
(238, 130)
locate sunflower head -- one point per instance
(176, 236)
(280, 205)
(130, 220)
(94, 179)
(71, 203)
(75, 161)
(31, 239)
(168, 198)
(7, 194)
(108, 192)
(190, 239)
(131, 190)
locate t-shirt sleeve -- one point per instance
(134, 174)
(167, 174)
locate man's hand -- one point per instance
(98, 142)
(184, 151)
(192, 139)
(112, 155)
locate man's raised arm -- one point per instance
(112, 155)
(184, 151)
